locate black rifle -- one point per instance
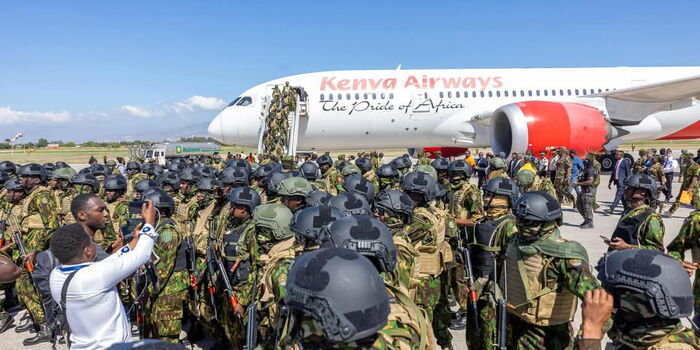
(251, 335)
(3, 227)
(192, 266)
(227, 284)
(473, 310)
(501, 312)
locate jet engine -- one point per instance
(543, 125)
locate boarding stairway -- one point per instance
(293, 119)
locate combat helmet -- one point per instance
(244, 196)
(63, 173)
(525, 178)
(61, 164)
(272, 221)
(365, 235)
(133, 166)
(357, 183)
(190, 175)
(441, 163)
(388, 170)
(32, 170)
(13, 185)
(420, 182)
(538, 207)
(144, 185)
(341, 291)
(428, 169)
(349, 169)
(265, 170)
(651, 275)
(643, 181)
(502, 186)
(49, 168)
(115, 182)
(324, 159)
(87, 179)
(396, 202)
(4, 177)
(8, 167)
(161, 200)
(234, 177)
(309, 171)
(317, 198)
(364, 164)
(170, 178)
(275, 179)
(351, 203)
(294, 186)
(401, 163)
(309, 223)
(497, 163)
(99, 170)
(459, 169)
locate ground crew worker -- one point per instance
(166, 299)
(689, 239)
(545, 275)
(640, 227)
(34, 218)
(388, 177)
(488, 239)
(408, 326)
(651, 295)
(562, 177)
(690, 175)
(584, 200)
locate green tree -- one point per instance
(42, 143)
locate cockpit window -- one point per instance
(233, 103)
(244, 101)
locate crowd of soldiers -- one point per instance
(276, 135)
(360, 254)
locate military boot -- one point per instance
(458, 322)
(27, 325)
(42, 336)
(6, 321)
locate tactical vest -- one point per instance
(434, 256)
(182, 210)
(112, 220)
(530, 296)
(200, 231)
(407, 313)
(280, 252)
(230, 253)
(456, 200)
(26, 221)
(181, 255)
(482, 249)
(628, 228)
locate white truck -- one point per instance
(162, 151)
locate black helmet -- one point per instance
(441, 163)
(99, 170)
(49, 166)
(309, 223)
(170, 178)
(351, 203)
(208, 172)
(387, 170)
(234, 177)
(87, 170)
(61, 164)
(365, 164)
(309, 171)
(317, 198)
(240, 164)
(144, 185)
(177, 166)
(147, 168)
(32, 170)
(4, 177)
(8, 167)
(86, 179)
(190, 175)
(133, 166)
(324, 159)
(402, 162)
(502, 186)
(115, 182)
(267, 169)
(275, 179)
(642, 181)
(13, 185)
(208, 184)
(459, 168)
(244, 196)
(357, 183)
(653, 274)
(341, 165)
(341, 290)
(161, 200)
(420, 182)
(395, 201)
(537, 206)
(365, 235)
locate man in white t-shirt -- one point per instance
(87, 291)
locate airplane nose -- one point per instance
(215, 130)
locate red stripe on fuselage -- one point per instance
(689, 132)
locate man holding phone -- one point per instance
(87, 290)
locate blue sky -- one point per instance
(96, 70)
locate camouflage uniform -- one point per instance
(405, 274)
(690, 173)
(331, 181)
(497, 173)
(549, 263)
(427, 233)
(649, 233)
(118, 214)
(63, 199)
(596, 182)
(639, 167)
(166, 306)
(542, 184)
(689, 239)
(131, 184)
(35, 218)
(657, 172)
(561, 179)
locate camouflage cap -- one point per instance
(497, 163)
(351, 169)
(525, 178)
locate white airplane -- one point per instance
(511, 110)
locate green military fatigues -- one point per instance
(34, 217)
(650, 232)
(598, 168)
(497, 173)
(690, 183)
(166, 306)
(131, 187)
(689, 239)
(542, 184)
(657, 172)
(639, 167)
(562, 178)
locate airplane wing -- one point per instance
(666, 91)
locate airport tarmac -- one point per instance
(590, 238)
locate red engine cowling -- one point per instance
(445, 151)
(542, 125)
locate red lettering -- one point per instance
(432, 82)
(390, 83)
(343, 84)
(451, 82)
(326, 82)
(484, 83)
(374, 84)
(359, 84)
(412, 81)
(468, 83)
(497, 82)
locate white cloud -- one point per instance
(11, 116)
(198, 102)
(137, 111)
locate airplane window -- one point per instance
(537, 92)
(554, 92)
(357, 96)
(584, 92)
(515, 93)
(568, 92)
(374, 96)
(522, 93)
(391, 95)
(473, 93)
(600, 90)
(576, 91)
(529, 93)
(490, 93)
(340, 97)
(498, 93)
(366, 96)
(382, 95)
(330, 97)
(322, 97)
(441, 94)
(348, 96)
(481, 93)
(245, 101)
(466, 94)
(505, 93)
(545, 92)
(449, 94)
(561, 92)
(233, 102)
(456, 93)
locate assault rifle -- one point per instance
(251, 335)
(473, 310)
(191, 265)
(501, 312)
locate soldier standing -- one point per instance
(563, 176)
(640, 227)
(545, 275)
(584, 200)
(388, 177)
(639, 166)
(689, 239)
(497, 168)
(117, 205)
(331, 180)
(529, 181)
(60, 184)
(690, 173)
(656, 171)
